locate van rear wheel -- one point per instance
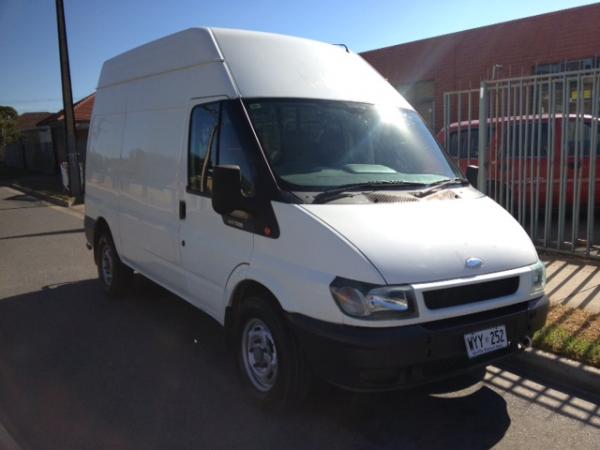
(271, 363)
(113, 274)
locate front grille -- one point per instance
(470, 293)
(470, 319)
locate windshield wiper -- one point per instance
(343, 191)
(438, 185)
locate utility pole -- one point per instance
(69, 116)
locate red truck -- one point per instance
(519, 150)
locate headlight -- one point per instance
(538, 278)
(367, 301)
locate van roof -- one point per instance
(259, 65)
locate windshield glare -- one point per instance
(321, 144)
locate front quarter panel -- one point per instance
(299, 266)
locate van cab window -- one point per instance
(318, 144)
(217, 136)
(203, 136)
(233, 145)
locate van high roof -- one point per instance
(258, 65)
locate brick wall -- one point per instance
(462, 60)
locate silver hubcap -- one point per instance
(107, 265)
(259, 354)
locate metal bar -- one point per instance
(470, 118)
(496, 141)
(534, 163)
(510, 176)
(577, 163)
(563, 175)
(527, 167)
(459, 127)
(551, 141)
(538, 153)
(549, 76)
(465, 91)
(483, 147)
(520, 160)
(447, 122)
(594, 147)
(568, 252)
(502, 149)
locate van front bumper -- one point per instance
(372, 359)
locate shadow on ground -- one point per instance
(80, 371)
(573, 282)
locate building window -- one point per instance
(567, 66)
(546, 69)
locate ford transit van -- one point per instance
(282, 186)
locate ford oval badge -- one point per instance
(473, 263)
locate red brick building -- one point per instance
(555, 42)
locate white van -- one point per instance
(286, 189)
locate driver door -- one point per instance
(210, 250)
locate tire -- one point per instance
(114, 276)
(271, 363)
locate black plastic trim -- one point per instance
(470, 293)
(365, 358)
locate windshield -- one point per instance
(320, 144)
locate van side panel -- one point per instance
(103, 165)
(154, 173)
(149, 224)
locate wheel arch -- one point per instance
(243, 289)
(100, 226)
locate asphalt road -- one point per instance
(80, 371)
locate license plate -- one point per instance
(486, 341)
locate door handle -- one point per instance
(182, 209)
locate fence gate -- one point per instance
(536, 141)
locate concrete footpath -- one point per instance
(573, 282)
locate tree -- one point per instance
(8, 126)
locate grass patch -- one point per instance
(573, 333)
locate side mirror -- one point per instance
(226, 189)
(473, 175)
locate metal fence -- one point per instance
(536, 141)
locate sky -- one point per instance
(100, 29)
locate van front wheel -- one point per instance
(113, 274)
(272, 365)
